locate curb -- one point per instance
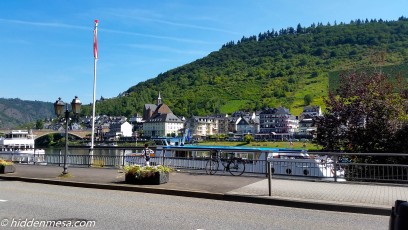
(214, 196)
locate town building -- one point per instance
(120, 129)
(311, 111)
(306, 123)
(306, 128)
(248, 126)
(161, 121)
(222, 123)
(136, 118)
(234, 119)
(277, 123)
(233, 124)
(201, 127)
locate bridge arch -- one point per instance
(62, 134)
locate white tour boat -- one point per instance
(18, 146)
(285, 162)
(300, 163)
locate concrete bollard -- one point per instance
(399, 216)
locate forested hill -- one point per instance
(271, 69)
(15, 112)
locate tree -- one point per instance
(39, 124)
(248, 138)
(308, 99)
(365, 115)
(299, 29)
(49, 140)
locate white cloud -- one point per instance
(43, 24)
(168, 49)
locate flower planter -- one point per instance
(7, 169)
(154, 178)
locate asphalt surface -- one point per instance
(376, 199)
(112, 209)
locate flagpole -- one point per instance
(95, 48)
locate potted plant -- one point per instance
(150, 175)
(6, 167)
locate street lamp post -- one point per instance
(59, 107)
(136, 137)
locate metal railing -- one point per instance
(334, 166)
(376, 172)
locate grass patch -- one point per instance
(66, 175)
(233, 106)
(98, 163)
(317, 87)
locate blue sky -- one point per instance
(46, 45)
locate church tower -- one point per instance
(159, 100)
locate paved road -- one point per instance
(347, 197)
(132, 210)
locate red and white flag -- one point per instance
(95, 42)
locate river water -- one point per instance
(85, 151)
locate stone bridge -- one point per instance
(78, 133)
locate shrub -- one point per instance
(145, 171)
(4, 162)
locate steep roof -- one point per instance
(162, 109)
(311, 109)
(280, 110)
(150, 106)
(248, 121)
(169, 117)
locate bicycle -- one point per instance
(233, 165)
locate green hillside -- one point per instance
(15, 112)
(271, 69)
(392, 71)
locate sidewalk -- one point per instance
(346, 197)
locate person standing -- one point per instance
(146, 153)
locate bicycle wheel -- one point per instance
(236, 167)
(211, 167)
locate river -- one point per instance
(85, 151)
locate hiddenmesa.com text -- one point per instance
(33, 223)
